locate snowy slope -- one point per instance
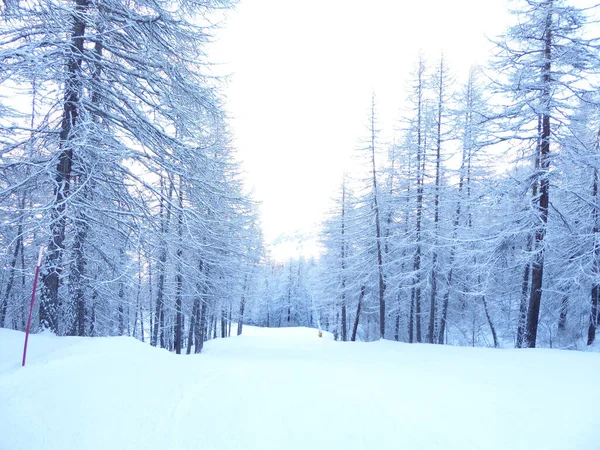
(288, 389)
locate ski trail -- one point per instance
(287, 389)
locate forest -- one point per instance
(477, 226)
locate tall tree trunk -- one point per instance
(411, 317)
(525, 288)
(150, 297)
(595, 265)
(537, 273)
(139, 296)
(178, 335)
(344, 325)
(420, 179)
(378, 235)
(49, 301)
(159, 317)
(436, 205)
(121, 300)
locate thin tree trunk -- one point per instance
(223, 323)
(159, 317)
(150, 296)
(593, 321)
(344, 325)
(411, 317)
(229, 321)
(377, 227)
(489, 320)
(420, 180)
(357, 318)
(178, 335)
(523, 303)
(121, 300)
(192, 328)
(140, 302)
(13, 264)
(242, 306)
(436, 206)
(562, 320)
(201, 330)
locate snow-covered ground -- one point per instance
(288, 389)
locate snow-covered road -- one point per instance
(289, 389)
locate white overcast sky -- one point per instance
(302, 74)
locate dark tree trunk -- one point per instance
(229, 321)
(201, 330)
(121, 300)
(436, 207)
(593, 315)
(593, 321)
(77, 276)
(420, 180)
(378, 235)
(159, 317)
(411, 317)
(93, 317)
(397, 324)
(432, 305)
(525, 288)
(223, 323)
(139, 295)
(193, 329)
(242, 306)
(489, 321)
(178, 335)
(49, 301)
(523, 304)
(537, 273)
(150, 297)
(357, 318)
(562, 319)
(344, 323)
(241, 318)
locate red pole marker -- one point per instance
(35, 281)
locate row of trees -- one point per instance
(116, 158)
(480, 224)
